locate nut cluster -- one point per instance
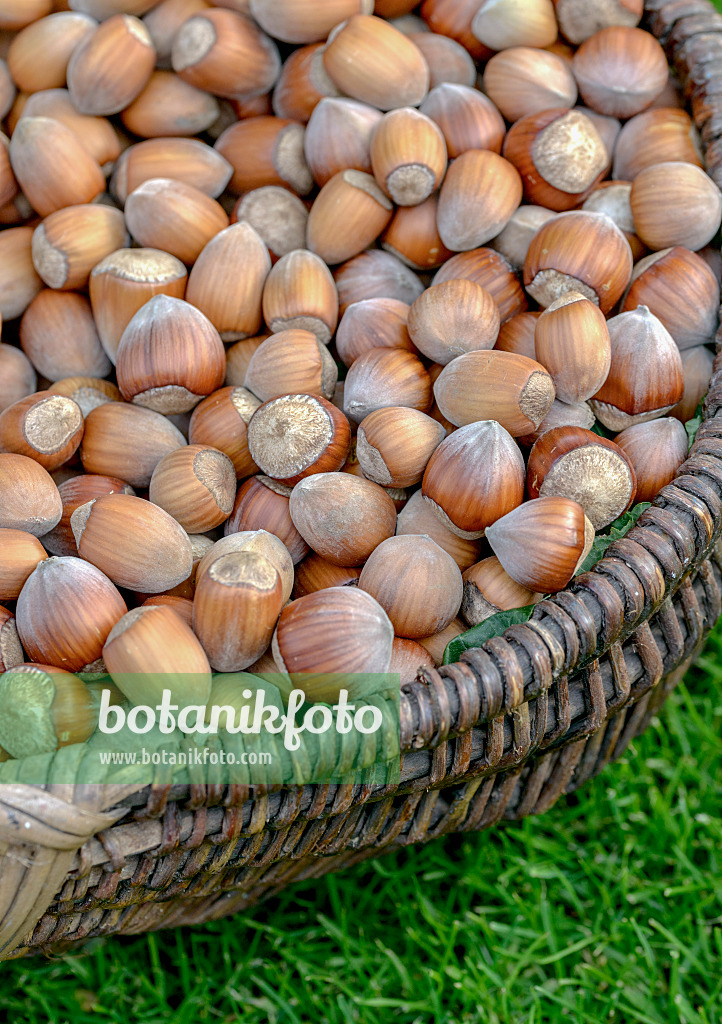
(314, 353)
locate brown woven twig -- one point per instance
(503, 733)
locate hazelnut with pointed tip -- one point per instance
(542, 543)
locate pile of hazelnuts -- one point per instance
(330, 329)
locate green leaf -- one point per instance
(693, 425)
(601, 431)
(618, 529)
(477, 635)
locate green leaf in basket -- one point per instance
(618, 529)
(693, 425)
(601, 431)
(477, 635)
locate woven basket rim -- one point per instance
(45, 831)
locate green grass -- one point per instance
(607, 908)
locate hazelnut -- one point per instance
(266, 150)
(675, 203)
(370, 60)
(196, 485)
(263, 504)
(542, 543)
(580, 252)
(363, 643)
(169, 107)
(134, 542)
(620, 70)
(500, 24)
(302, 84)
(479, 194)
(448, 61)
(291, 361)
(571, 341)
(467, 118)
(385, 377)
(354, 199)
(231, 301)
(488, 590)
(186, 160)
(502, 386)
(304, 21)
(295, 436)
(581, 465)
(466, 500)
(43, 708)
(257, 542)
(372, 323)
(578, 19)
(151, 649)
(20, 552)
(110, 66)
(52, 166)
(401, 573)
(523, 80)
(65, 612)
(408, 156)
(452, 318)
(342, 517)
(46, 427)
(30, 498)
(170, 356)
(560, 156)
(690, 313)
(127, 442)
(338, 137)
(58, 334)
(656, 450)
(299, 292)
(237, 603)
(226, 54)
(394, 445)
(629, 396)
(656, 137)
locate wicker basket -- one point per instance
(501, 734)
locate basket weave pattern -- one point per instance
(501, 734)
